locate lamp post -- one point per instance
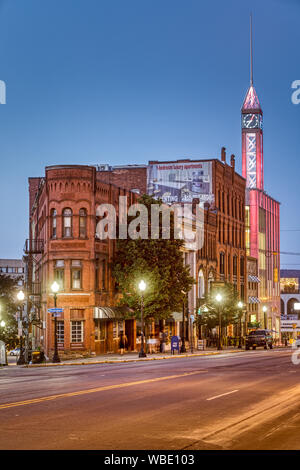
(21, 297)
(183, 348)
(240, 306)
(219, 299)
(265, 309)
(142, 287)
(55, 289)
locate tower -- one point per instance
(262, 215)
(252, 134)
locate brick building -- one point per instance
(214, 182)
(62, 246)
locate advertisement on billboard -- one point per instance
(180, 182)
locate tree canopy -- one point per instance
(8, 308)
(209, 307)
(160, 263)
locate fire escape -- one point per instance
(33, 250)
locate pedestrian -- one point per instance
(122, 342)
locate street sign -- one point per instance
(289, 325)
(56, 315)
(55, 310)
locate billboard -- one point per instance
(180, 182)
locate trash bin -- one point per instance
(37, 357)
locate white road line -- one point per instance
(222, 395)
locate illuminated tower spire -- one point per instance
(252, 134)
(251, 52)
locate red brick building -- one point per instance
(63, 247)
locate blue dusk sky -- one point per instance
(115, 81)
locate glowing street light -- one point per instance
(2, 324)
(265, 309)
(142, 288)
(240, 306)
(21, 297)
(219, 299)
(55, 289)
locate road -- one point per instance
(247, 400)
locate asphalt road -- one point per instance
(248, 400)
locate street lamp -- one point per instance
(219, 299)
(142, 287)
(183, 348)
(265, 309)
(55, 289)
(2, 324)
(240, 306)
(21, 297)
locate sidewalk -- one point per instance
(134, 357)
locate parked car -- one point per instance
(259, 338)
(14, 352)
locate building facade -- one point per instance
(14, 268)
(262, 214)
(63, 247)
(289, 291)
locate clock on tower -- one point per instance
(252, 140)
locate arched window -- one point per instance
(82, 223)
(67, 223)
(222, 267)
(290, 306)
(235, 265)
(53, 223)
(201, 285)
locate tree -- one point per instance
(209, 307)
(8, 309)
(159, 262)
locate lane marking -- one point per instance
(94, 390)
(222, 395)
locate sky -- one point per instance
(123, 82)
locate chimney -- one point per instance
(232, 161)
(223, 154)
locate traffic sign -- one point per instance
(55, 310)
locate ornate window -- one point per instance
(53, 223)
(82, 223)
(67, 223)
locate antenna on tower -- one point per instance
(251, 52)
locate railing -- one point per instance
(33, 246)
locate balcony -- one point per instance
(34, 247)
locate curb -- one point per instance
(120, 361)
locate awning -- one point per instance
(253, 278)
(253, 300)
(177, 316)
(111, 313)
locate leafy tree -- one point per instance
(159, 262)
(8, 309)
(209, 307)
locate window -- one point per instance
(60, 332)
(235, 265)
(221, 263)
(77, 331)
(104, 274)
(67, 223)
(76, 274)
(82, 223)
(59, 273)
(53, 223)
